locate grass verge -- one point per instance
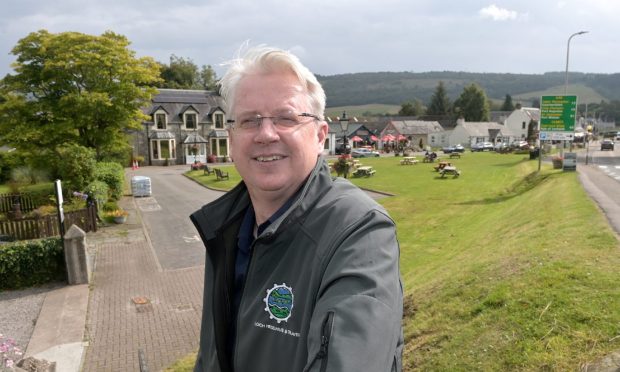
(504, 268)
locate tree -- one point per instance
(414, 108)
(508, 106)
(184, 74)
(73, 88)
(440, 103)
(472, 104)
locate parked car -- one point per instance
(607, 144)
(363, 153)
(459, 148)
(448, 149)
(501, 147)
(520, 145)
(482, 146)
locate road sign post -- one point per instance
(557, 118)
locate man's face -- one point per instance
(268, 159)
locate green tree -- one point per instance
(73, 88)
(472, 104)
(183, 73)
(414, 108)
(440, 103)
(207, 78)
(508, 105)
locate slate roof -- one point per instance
(176, 101)
(416, 127)
(484, 128)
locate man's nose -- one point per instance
(267, 131)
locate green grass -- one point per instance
(211, 180)
(375, 109)
(504, 268)
(185, 364)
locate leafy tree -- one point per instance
(414, 108)
(440, 103)
(73, 88)
(508, 106)
(183, 73)
(472, 104)
(208, 78)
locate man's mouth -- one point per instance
(268, 158)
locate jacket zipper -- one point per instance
(326, 334)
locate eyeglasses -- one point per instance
(282, 122)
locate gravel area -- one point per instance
(19, 310)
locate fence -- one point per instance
(47, 226)
(26, 204)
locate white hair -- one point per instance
(264, 59)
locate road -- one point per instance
(166, 215)
(601, 179)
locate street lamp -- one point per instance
(567, 53)
(344, 124)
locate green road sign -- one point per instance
(558, 113)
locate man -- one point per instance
(301, 271)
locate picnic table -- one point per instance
(455, 155)
(409, 160)
(442, 165)
(450, 170)
(365, 171)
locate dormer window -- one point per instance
(160, 121)
(190, 120)
(218, 119)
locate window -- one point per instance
(523, 125)
(190, 121)
(219, 147)
(163, 149)
(218, 119)
(160, 121)
(326, 144)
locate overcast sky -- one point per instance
(344, 36)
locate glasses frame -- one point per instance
(274, 119)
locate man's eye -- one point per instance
(287, 120)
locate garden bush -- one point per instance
(76, 166)
(113, 175)
(31, 262)
(99, 191)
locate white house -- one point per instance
(419, 133)
(468, 133)
(519, 120)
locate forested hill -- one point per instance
(398, 87)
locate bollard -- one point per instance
(76, 260)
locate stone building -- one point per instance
(184, 126)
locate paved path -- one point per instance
(141, 301)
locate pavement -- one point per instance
(134, 316)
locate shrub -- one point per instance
(110, 206)
(99, 191)
(113, 175)
(76, 165)
(31, 262)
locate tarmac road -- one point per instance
(166, 215)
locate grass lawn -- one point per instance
(504, 268)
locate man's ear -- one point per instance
(322, 132)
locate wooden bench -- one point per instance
(221, 175)
(364, 172)
(450, 170)
(455, 155)
(442, 165)
(207, 171)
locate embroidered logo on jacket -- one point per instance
(279, 302)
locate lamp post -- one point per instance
(567, 54)
(344, 124)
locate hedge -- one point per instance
(113, 175)
(31, 262)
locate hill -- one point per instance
(394, 88)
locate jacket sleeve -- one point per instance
(356, 323)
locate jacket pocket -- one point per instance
(326, 333)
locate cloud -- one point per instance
(497, 14)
